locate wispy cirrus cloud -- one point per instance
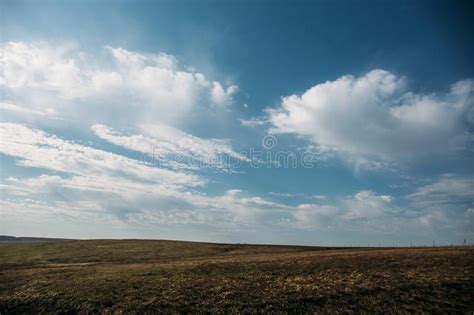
(118, 186)
(297, 195)
(23, 110)
(35, 148)
(446, 190)
(174, 148)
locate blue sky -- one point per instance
(160, 119)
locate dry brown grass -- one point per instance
(164, 276)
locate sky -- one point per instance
(338, 123)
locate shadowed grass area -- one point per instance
(170, 276)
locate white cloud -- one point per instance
(253, 122)
(317, 197)
(365, 209)
(118, 186)
(31, 209)
(288, 195)
(441, 203)
(122, 189)
(447, 189)
(138, 60)
(221, 96)
(250, 210)
(135, 202)
(12, 107)
(301, 195)
(149, 87)
(367, 204)
(374, 119)
(34, 148)
(434, 218)
(174, 148)
(95, 192)
(314, 216)
(40, 67)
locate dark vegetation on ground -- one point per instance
(109, 276)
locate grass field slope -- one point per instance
(112, 276)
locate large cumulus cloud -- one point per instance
(375, 117)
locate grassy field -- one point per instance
(110, 276)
